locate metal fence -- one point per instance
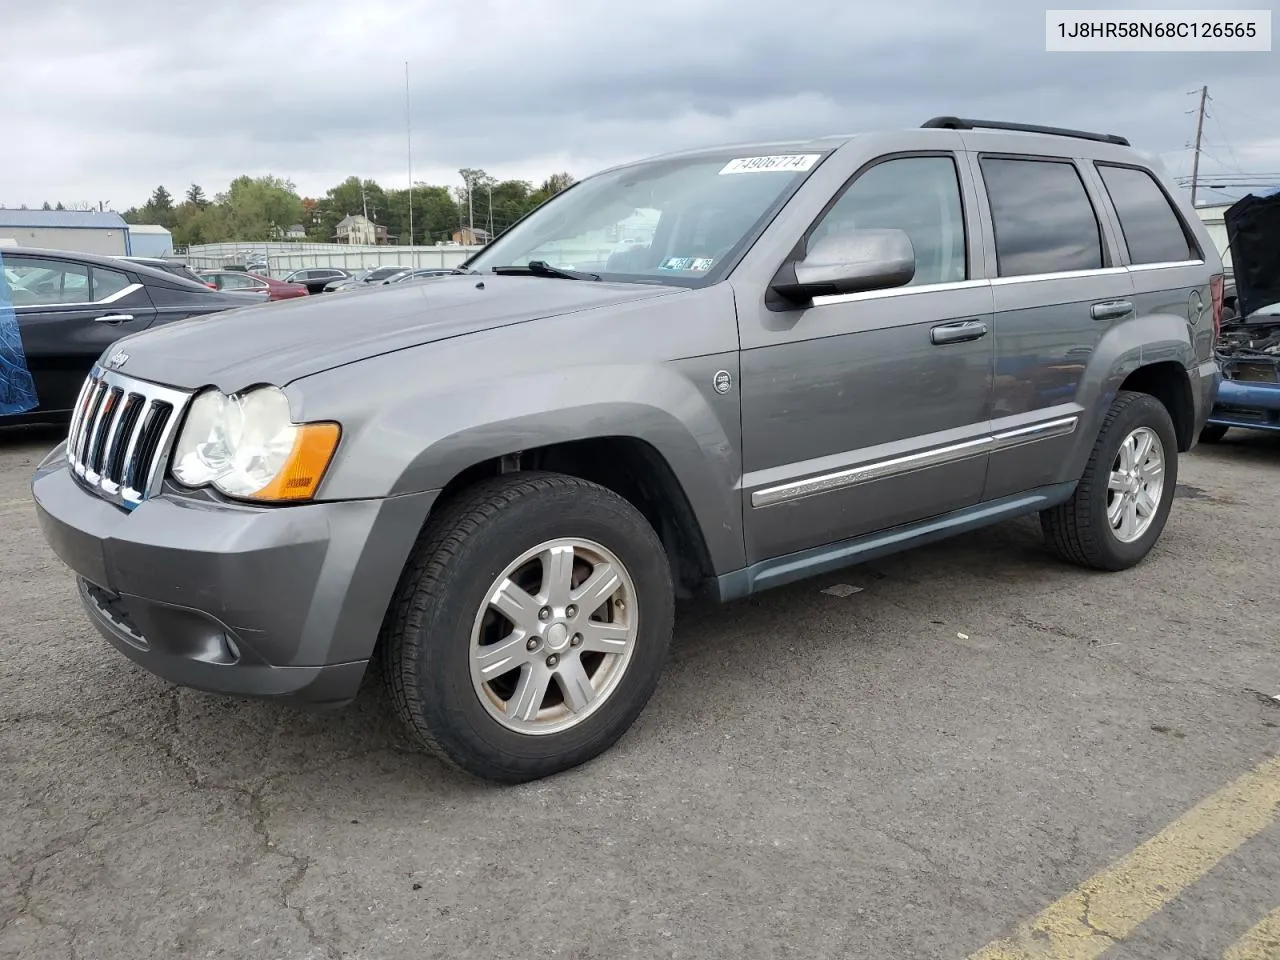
(283, 258)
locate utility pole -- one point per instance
(408, 132)
(490, 211)
(471, 213)
(1195, 160)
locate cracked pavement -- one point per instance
(908, 771)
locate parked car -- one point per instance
(1249, 346)
(177, 267)
(315, 279)
(370, 275)
(419, 274)
(499, 482)
(70, 308)
(267, 288)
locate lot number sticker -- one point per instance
(789, 163)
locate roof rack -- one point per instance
(960, 123)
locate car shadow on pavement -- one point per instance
(713, 656)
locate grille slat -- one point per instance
(120, 435)
(90, 422)
(108, 419)
(121, 439)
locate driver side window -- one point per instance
(919, 195)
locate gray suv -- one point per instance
(704, 374)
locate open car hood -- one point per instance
(1253, 233)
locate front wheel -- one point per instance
(1122, 501)
(531, 626)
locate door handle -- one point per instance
(1111, 310)
(958, 332)
(114, 318)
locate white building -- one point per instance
(81, 231)
(150, 240)
(1212, 215)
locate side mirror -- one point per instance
(849, 262)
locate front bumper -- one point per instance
(280, 602)
(1253, 405)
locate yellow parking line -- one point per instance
(1108, 906)
(1261, 942)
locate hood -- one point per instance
(283, 340)
(1253, 233)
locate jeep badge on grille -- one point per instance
(117, 360)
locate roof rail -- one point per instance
(960, 123)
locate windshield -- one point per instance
(674, 221)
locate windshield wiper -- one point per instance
(540, 268)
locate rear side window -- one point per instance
(107, 283)
(1152, 230)
(1043, 218)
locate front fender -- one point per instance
(414, 420)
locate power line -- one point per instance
(1225, 142)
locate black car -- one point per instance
(315, 279)
(63, 310)
(177, 267)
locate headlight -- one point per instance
(247, 446)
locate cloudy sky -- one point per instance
(106, 100)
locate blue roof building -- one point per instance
(85, 231)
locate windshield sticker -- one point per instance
(789, 163)
(692, 264)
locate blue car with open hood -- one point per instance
(1248, 395)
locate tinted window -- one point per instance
(1152, 231)
(1044, 221)
(107, 282)
(920, 195)
(36, 281)
(239, 281)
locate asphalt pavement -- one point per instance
(950, 744)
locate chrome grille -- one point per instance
(121, 433)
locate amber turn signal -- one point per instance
(313, 449)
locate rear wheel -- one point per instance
(1213, 433)
(1122, 501)
(531, 626)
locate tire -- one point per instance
(1213, 433)
(432, 640)
(1080, 530)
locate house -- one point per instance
(150, 240)
(471, 237)
(357, 228)
(80, 231)
(296, 232)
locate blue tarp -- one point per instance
(17, 389)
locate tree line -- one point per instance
(266, 208)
